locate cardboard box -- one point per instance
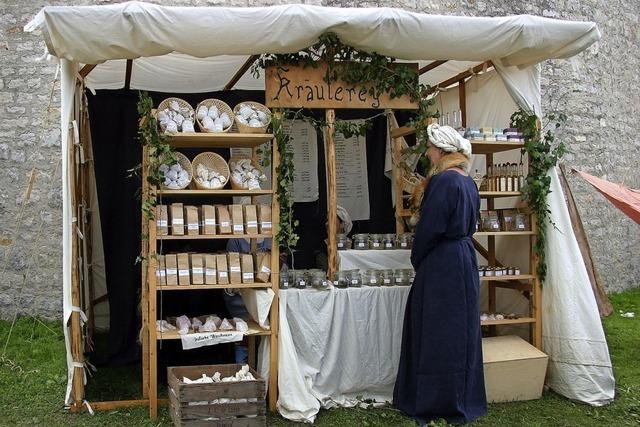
(235, 269)
(513, 369)
(224, 221)
(192, 222)
(250, 219)
(197, 269)
(263, 272)
(161, 271)
(210, 273)
(208, 219)
(176, 212)
(183, 269)
(264, 219)
(246, 261)
(223, 272)
(237, 219)
(171, 262)
(162, 222)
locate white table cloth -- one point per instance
(374, 259)
(336, 345)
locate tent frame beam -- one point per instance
(241, 72)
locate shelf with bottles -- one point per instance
(507, 178)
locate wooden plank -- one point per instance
(215, 236)
(144, 284)
(396, 153)
(536, 301)
(496, 194)
(332, 198)
(481, 147)
(430, 66)
(251, 349)
(509, 277)
(504, 233)
(84, 71)
(118, 404)
(127, 74)
(219, 140)
(254, 329)
(210, 193)
(200, 287)
(461, 76)
(241, 72)
(462, 99)
(522, 320)
(291, 86)
(275, 281)
(151, 325)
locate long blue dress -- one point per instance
(440, 373)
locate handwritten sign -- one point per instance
(291, 86)
(202, 339)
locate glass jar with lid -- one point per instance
(389, 241)
(400, 277)
(375, 241)
(386, 277)
(361, 241)
(284, 280)
(318, 279)
(412, 275)
(371, 278)
(342, 242)
(355, 279)
(343, 279)
(300, 279)
(405, 241)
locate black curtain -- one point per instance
(114, 125)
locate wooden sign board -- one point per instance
(290, 86)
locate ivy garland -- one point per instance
(544, 154)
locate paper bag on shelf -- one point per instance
(210, 270)
(224, 221)
(263, 270)
(161, 271)
(177, 219)
(223, 272)
(171, 262)
(191, 217)
(197, 269)
(162, 223)
(183, 269)
(247, 268)
(250, 219)
(264, 219)
(208, 219)
(237, 219)
(235, 270)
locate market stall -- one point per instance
(153, 48)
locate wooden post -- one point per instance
(151, 321)
(275, 282)
(536, 301)
(396, 155)
(491, 248)
(144, 303)
(332, 202)
(462, 95)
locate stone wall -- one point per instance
(598, 90)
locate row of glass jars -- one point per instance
(316, 278)
(364, 241)
(487, 271)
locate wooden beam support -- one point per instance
(127, 74)
(462, 96)
(430, 66)
(84, 71)
(238, 75)
(332, 199)
(461, 76)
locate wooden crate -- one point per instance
(513, 369)
(183, 396)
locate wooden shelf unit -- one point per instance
(150, 289)
(496, 194)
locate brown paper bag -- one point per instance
(171, 262)
(247, 268)
(210, 270)
(237, 219)
(161, 271)
(235, 269)
(224, 221)
(223, 272)
(264, 267)
(208, 219)
(197, 269)
(183, 269)
(177, 219)
(192, 223)
(250, 219)
(162, 225)
(264, 218)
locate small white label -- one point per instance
(222, 274)
(159, 273)
(238, 227)
(210, 272)
(192, 227)
(177, 221)
(252, 223)
(520, 226)
(375, 244)
(386, 281)
(183, 273)
(209, 221)
(388, 245)
(161, 223)
(197, 270)
(265, 269)
(354, 281)
(403, 245)
(247, 276)
(398, 280)
(302, 283)
(171, 271)
(361, 245)
(340, 245)
(266, 225)
(224, 224)
(234, 269)
(373, 281)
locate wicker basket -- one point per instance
(237, 185)
(211, 161)
(186, 165)
(410, 181)
(184, 105)
(222, 107)
(242, 128)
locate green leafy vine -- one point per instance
(544, 153)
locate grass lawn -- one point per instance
(33, 382)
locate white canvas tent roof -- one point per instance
(184, 49)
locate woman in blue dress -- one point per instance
(440, 374)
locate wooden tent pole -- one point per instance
(396, 149)
(332, 201)
(241, 71)
(144, 294)
(430, 66)
(127, 74)
(462, 96)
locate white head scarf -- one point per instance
(347, 225)
(448, 139)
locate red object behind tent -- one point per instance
(625, 199)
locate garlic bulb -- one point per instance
(175, 177)
(254, 117)
(246, 175)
